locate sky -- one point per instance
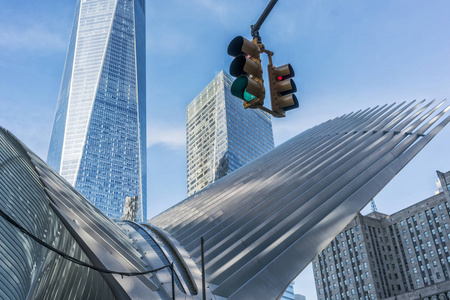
(347, 55)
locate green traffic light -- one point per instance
(239, 89)
(248, 97)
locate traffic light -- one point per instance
(246, 66)
(282, 88)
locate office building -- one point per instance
(403, 256)
(98, 141)
(221, 135)
(261, 224)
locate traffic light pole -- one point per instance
(255, 28)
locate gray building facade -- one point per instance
(403, 256)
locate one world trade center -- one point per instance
(98, 141)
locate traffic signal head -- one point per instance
(240, 45)
(246, 66)
(282, 88)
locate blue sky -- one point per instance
(347, 55)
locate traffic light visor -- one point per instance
(242, 65)
(240, 45)
(286, 87)
(288, 102)
(284, 72)
(246, 89)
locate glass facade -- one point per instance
(221, 135)
(98, 142)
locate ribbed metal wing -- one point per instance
(263, 223)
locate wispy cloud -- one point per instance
(166, 134)
(32, 38)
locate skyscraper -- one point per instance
(221, 135)
(400, 256)
(98, 141)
